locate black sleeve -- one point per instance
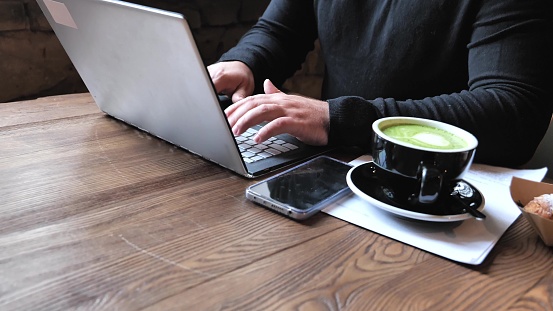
(508, 102)
(277, 45)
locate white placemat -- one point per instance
(469, 241)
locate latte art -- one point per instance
(425, 136)
(432, 139)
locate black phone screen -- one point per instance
(306, 185)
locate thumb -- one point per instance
(270, 88)
(238, 96)
(242, 91)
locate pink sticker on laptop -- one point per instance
(60, 13)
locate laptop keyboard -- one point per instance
(252, 151)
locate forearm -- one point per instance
(508, 124)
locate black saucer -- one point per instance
(363, 181)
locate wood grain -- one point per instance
(98, 215)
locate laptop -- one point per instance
(142, 66)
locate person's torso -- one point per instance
(394, 48)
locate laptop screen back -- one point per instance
(142, 66)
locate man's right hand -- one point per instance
(233, 79)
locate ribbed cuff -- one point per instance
(351, 121)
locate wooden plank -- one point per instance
(327, 273)
(46, 108)
(375, 274)
(540, 296)
(361, 271)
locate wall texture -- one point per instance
(34, 64)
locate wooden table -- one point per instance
(98, 215)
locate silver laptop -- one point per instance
(142, 66)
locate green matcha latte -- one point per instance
(425, 136)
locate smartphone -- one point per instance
(303, 190)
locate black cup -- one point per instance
(418, 175)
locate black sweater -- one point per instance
(483, 65)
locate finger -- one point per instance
(231, 111)
(239, 108)
(276, 127)
(222, 86)
(243, 90)
(225, 84)
(240, 94)
(293, 127)
(269, 87)
(257, 115)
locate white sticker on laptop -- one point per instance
(60, 13)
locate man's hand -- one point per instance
(303, 117)
(233, 79)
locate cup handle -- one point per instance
(430, 184)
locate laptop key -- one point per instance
(260, 146)
(254, 150)
(265, 154)
(272, 151)
(247, 154)
(290, 146)
(257, 158)
(279, 148)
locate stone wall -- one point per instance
(33, 63)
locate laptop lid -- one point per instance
(142, 66)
